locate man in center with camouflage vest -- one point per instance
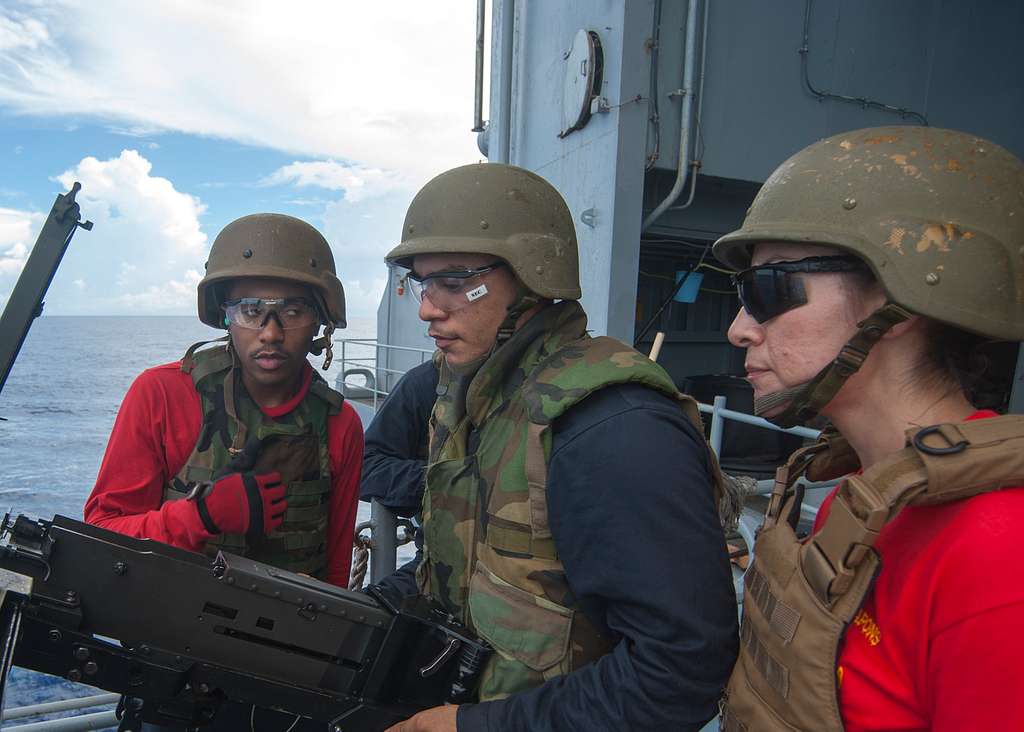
(569, 514)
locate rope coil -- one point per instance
(363, 544)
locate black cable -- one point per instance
(647, 240)
(671, 297)
(862, 101)
(654, 118)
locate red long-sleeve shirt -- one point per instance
(154, 434)
(937, 645)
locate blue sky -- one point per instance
(178, 117)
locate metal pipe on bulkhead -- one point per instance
(505, 13)
(478, 89)
(685, 126)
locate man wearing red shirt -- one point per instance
(910, 660)
(242, 446)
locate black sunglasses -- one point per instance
(769, 290)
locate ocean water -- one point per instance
(59, 404)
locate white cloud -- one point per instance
(170, 296)
(356, 181)
(387, 85)
(17, 233)
(18, 31)
(361, 297)
(13, 260)
(147, 246)
(122, 188)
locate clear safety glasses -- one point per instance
(769, 290)
(451, 290)
(253, 312)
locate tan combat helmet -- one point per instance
(501, 210)
(937, 214)
(272, 245)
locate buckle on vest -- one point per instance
(832, 556)
(954, 439)
(849, 360)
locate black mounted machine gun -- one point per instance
(180, 634)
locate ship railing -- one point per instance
(368, 366)
(95, 720)
(381, 532)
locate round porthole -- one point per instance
(584, 64)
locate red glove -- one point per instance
(244, 503)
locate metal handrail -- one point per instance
(95, 720)
(63, 705)
(375, 361)
(385, 346)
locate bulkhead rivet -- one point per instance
(932, 278)
(850, 203)
(312, 263)
(247, 253)
(411, 228)
(484, 225)
(540, 270)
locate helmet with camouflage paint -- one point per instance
(937, 214)
(501, 210)
(271, 245)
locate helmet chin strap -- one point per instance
(323, 343)
(525, 299)
(806, 400)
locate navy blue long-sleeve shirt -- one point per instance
(395, 452)
(636, 527)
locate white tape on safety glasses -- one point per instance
(476, 293)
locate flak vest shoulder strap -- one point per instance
(800, 596)
(539, 436)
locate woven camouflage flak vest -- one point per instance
(295, 445)
(489, 556)
(800, 596)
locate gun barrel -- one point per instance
(26, 300)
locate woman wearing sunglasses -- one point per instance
(871, 268)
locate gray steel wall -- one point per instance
(959, 63)
(598, 169)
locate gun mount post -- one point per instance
(383, 525)
(26, 301)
